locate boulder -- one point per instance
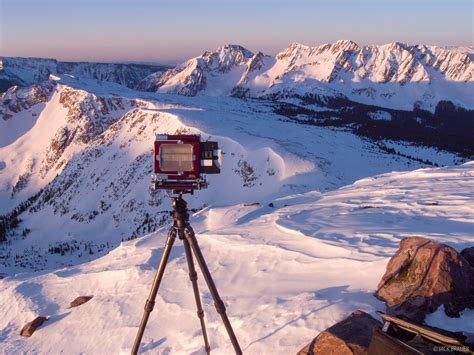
(468, 254)
(424, 275)
(80, 300)
(350, 336)
(30, 328)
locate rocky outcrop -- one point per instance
(31, 327)
(18, 99)
(350, 336)
(424, 275)
(88, 116)
(80, 301)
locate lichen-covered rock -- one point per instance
(350, 336)
(424, 275)
(30, 327)
(80, 300)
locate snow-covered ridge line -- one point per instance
(393, 75)
(27, 71)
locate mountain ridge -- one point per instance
(84, 158)
(24, 71)
(394, 75)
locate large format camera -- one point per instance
(181, 160)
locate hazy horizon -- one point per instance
(168, 32)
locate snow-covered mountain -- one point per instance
(227, 64)
(28, 71)
(82, 160)
(394, 75)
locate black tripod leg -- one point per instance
(220, 307)
(193, 277)
(150, 302)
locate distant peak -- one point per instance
(397, 45)
(234, 48)
(346, 44)
(292, 50)
(296, 45)
(226, 57)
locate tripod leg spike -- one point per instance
(193, 277)
(191, 238)
(150, 302)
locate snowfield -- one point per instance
(285, 272)
(87, 152)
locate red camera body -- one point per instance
(180, 161)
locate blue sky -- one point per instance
(170, 31)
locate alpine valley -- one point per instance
(330, 156)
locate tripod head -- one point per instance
(180, 213)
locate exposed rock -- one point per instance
(350, 336)
(80, 300)
(30, 328)
(18, 99)
(468, 254)
(424, 275)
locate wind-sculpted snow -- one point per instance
(377, 212)
(285, 272)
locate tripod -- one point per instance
(183, 229)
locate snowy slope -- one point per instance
(86, 157)
(395, 75)
(285, 272)
(42, 128)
